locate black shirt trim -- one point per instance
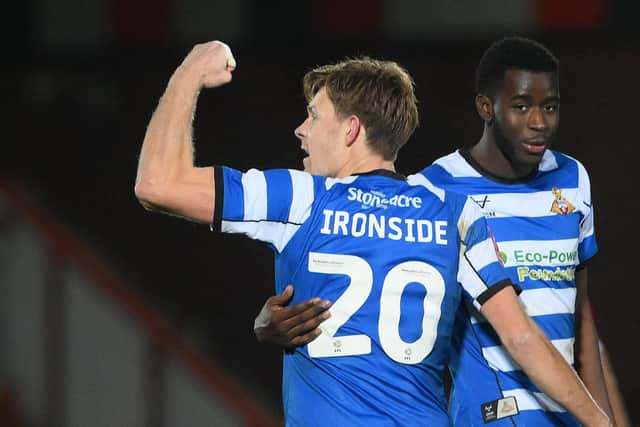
(493, 177)
(383, 172)
(218, 182)
(486, 295)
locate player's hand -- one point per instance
(290, 327)
(211, 64)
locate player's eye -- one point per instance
(520, 107)
(551, 108)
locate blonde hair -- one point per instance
(380, 93)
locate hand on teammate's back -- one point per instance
(293, 326)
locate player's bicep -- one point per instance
(191, 197)
(506, 315)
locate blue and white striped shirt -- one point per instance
(544, 231)
(389, 253)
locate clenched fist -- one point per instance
(211, 64)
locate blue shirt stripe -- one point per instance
(233, 207)
(279, 194)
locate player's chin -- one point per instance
(306, 164)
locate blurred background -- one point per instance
(112, 316)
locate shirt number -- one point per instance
(357, 292)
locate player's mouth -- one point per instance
(305, 160)
(535, 146)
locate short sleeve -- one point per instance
(269, 206)
(480, 270)
(587, 246)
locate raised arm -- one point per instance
(167, 180)
(544, 365)
(588, 352)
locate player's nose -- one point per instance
(301, 131)
(537, 120)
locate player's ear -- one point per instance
(484, 106)
(353, 129)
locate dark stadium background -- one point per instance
(74, 118)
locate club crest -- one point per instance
(560, 204)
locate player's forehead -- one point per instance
(320, 101)
(517, 82)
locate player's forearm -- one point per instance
(546, 367)
(167, 150)
(590, 365)
(613, 391)
(588, 351)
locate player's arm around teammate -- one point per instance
(526, 343)
(290, 326)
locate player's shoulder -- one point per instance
(564, 169)
(299, 180)
(290, 181)
(422, 181)
(449, 169)
(454, 174)
(448, 197)
(336, 184)
(556, 160)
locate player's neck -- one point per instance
(365, 164)
(488, 155)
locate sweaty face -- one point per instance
(321, 136)
(527, 114)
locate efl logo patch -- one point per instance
(501, 408)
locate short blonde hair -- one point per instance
(380, 93)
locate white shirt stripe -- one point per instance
(470, 214)
(528, 205)
(276, 233)
(254, 186)
(482, 254)
(300, 210)
(545, 301)
(330, 182)
(456, 166)
(548, 162)
(302, 196)
(420, 179)
(540, 252)
(542, 302)
(528, 401)
(499, 359)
